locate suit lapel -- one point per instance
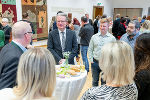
(58, 39)
(67, 38)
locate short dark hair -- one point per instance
(59, 12)
(25, 15)
(123, 20)
(104, 16)
(144, 17)
(136, 23)
(84, 19)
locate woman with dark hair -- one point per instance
(142, 63)
(122, 27)
(75, 21)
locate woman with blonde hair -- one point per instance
(36, 77)
(145, 26)
(117, 64)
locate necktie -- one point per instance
(63, 41)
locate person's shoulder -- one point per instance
(10, 50)
(124, 36)
(143, 74)
(70, 31)
(1, 31)
(93, 90)
(96, 35)
(109, 34)
(54, 31)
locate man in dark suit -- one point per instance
(10, 53)
(62, 40)
(7, 30)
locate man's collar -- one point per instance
(21, 46)
(107, 34)
(134, 37)
(62, 31)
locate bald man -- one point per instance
(10, 54)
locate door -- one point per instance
(97, 10)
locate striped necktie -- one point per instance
(63, 41)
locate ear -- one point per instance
(27, 36)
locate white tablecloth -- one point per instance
(69, 88)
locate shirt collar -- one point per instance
(135, 36)
(61, 31)
(22, 47)
(107, 34)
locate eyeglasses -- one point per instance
(61, 21)
(28, 32)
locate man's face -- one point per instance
(28, 34)
(131, 29)
(87, 15)
(61, 22)
(82, 23)
(4, 24)
(104, 28)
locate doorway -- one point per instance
(97, 10)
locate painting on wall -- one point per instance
(37, 11)
(28, 2)
(42, 19)
(8, 10)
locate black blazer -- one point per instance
(54, 45)
(9, 58)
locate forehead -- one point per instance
(104, 24)
(61, 18)
(131, 25)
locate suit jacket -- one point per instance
(7, 31)
(9, 58)
(54, 45)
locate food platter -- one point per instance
(67, 71)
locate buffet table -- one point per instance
(69, 88)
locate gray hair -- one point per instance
(5, 20)
(136, 23)
(62, 14)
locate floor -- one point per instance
(88, 82)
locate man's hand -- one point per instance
(29, 46)
(61, 61)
